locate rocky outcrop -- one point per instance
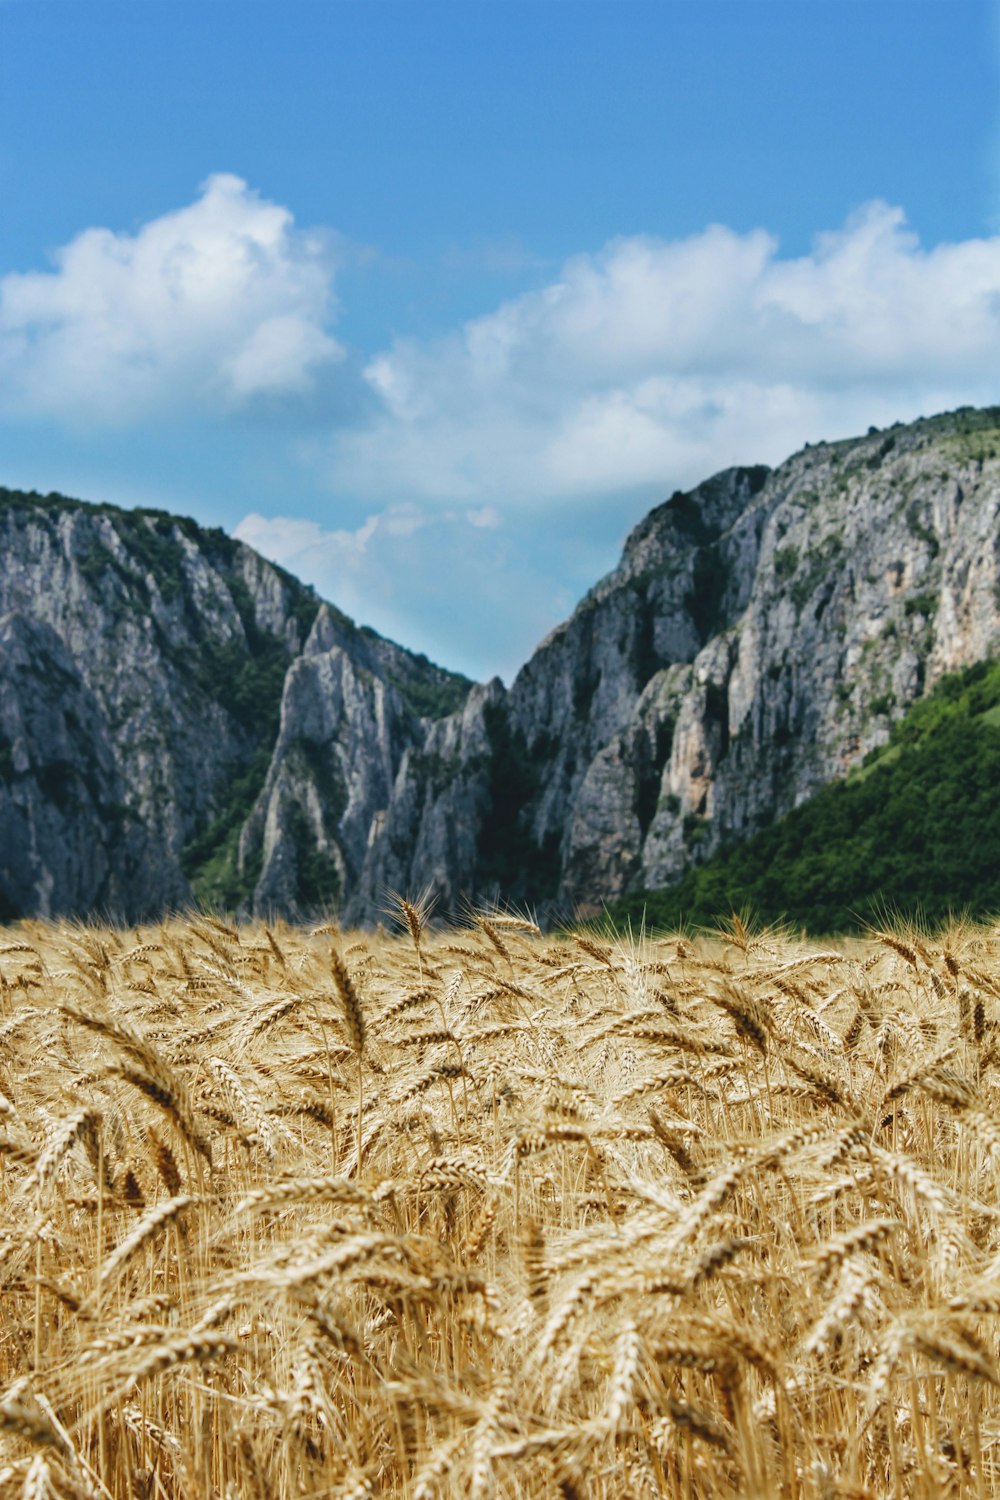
(67, 842)
(344, 728)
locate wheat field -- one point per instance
(485, 1212)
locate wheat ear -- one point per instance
(354, 1025)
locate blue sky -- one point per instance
(431, 301)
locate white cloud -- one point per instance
(485, 517)
(305, 547)
(655, 363)
(363, 570)
(204, 308)
(440, 583)
(647, 365)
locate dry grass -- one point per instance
(663, 1218)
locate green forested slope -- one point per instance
(916, 831)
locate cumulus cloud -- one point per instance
(649, 364)
(205, 308)
(655, 363)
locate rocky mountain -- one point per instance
(143, 663)
(759, 636)
(180, 719)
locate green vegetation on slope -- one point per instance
(433, 695)
(247, 680)
(211, 860)
(916, 830)
(512, 861)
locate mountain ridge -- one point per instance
(717, 678)
(179, 638)
(759, 636)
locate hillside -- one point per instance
(913, 833)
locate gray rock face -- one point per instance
(179, 718)
(437, 832)
(344, 728)
(166, 626)
(66, 841)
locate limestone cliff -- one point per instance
(142, 664)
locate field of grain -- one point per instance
(481, 1212)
